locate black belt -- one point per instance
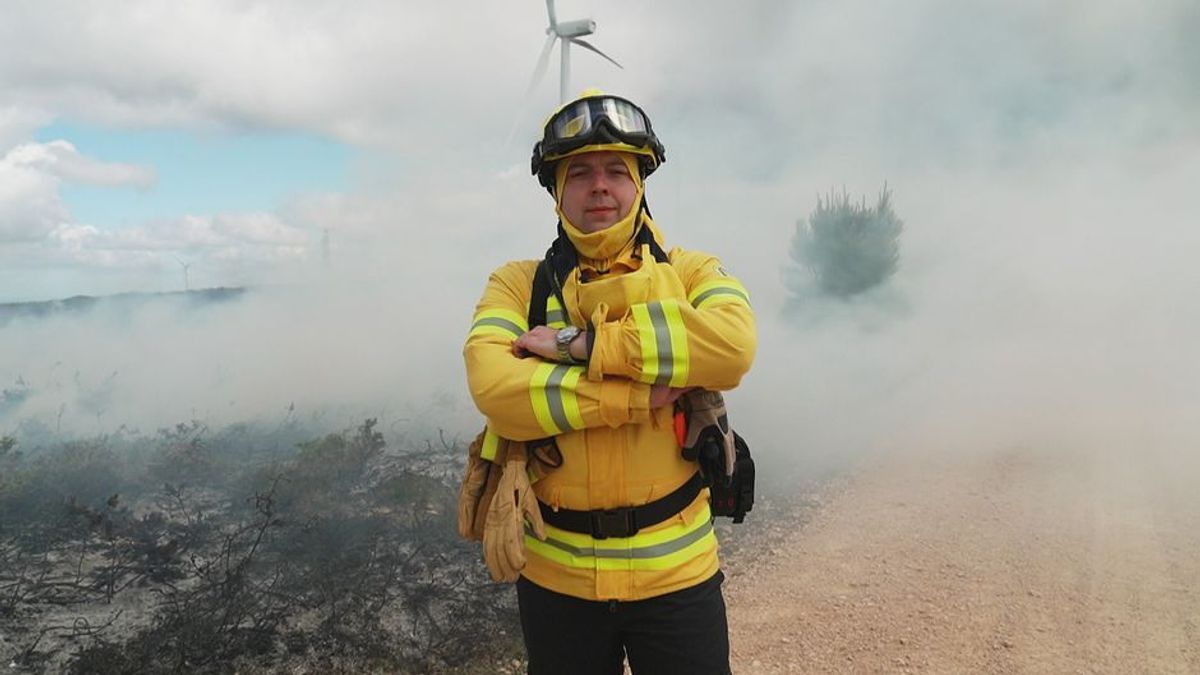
(624, 522)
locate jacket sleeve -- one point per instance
(707, 340)
(526, 399)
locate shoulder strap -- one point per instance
(549, 277)
(645, 236)
(541, 293)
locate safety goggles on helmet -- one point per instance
(579, 123)
(596, 121)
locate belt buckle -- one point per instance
(615, 523)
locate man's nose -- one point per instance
(599, 182)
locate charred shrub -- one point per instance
(184, 456)
(338, 462)
(335, 555)
(38, 496)
(224, 610)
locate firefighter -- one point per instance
(579, 359)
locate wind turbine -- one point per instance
(569, 32)
(185, 267)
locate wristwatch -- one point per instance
(563, 341)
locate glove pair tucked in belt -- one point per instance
(494, 500)
(504, 531)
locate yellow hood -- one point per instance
(605, 245)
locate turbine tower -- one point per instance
(185, 266)
(569, 32)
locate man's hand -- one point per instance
(537, 342)
(541, 342)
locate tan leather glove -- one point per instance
(471, 490)
(708, 438)
(504, 531)
(479, 483)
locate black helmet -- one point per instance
(594, 122)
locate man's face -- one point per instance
(598, 190)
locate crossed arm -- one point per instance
(639, 362)
(541, 341)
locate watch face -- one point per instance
(562, 342)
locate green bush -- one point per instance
(848, 247)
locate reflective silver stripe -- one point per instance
(655, 551)
(553, 315)
(554, 397)
(662, 339)
(719, 291)
(499, 323)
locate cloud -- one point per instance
(31, 175)
(250, 237)
(929, 82)
(350, 73)
(30, 207)
(40, 232)
(18, 123)
(61, 160)
(260, 229)
(759, 87)
(225, 249)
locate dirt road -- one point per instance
(1015, 561)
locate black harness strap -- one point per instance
(647, 237)
(551, 274)
(541, 293)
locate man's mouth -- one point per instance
(601, 209)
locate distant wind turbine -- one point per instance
(569, 32)
(185, 267)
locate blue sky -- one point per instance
(198, 173)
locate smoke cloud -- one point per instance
(1041, 157)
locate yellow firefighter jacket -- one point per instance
(686, 324)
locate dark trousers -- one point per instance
(680, 632)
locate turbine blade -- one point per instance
(539, 71)
(550, 11)
(587, 45)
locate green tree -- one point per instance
(847, 247)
